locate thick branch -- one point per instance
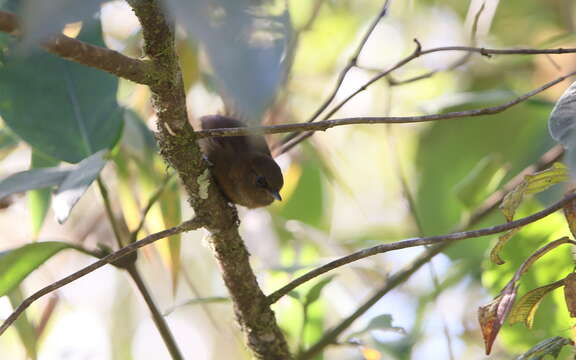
(86, 54)
(185, 226)
(178, 146)
(326, 124)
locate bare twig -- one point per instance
(78, 51)
(327, 124)
(157, 317)
(151, 201)
(288, 144)
(185, 226)
(420, 241)
(352, 62)
(402, 275)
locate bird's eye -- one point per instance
(261, 181)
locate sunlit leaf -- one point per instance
(66, 110)
(39, 199)
(525, 309)
(570, 293)
(8, 142)
(172, 216)
(75, 184)
(371, 354)
(493, 315)
(551, 347)
(18, 263)
(532, 184)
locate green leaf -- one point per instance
(75, 184)
(32, 179)
(24, 327)
(39, 199)
(8, 142)
(481, 181)
(525, 309)
(532, 184)
(65, 110)
(551, 347)
(314, 293)
(18, 263)
(306, 203)
(380, 322)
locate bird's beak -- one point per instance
(276, 195)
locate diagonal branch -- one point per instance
(177, 142)
(420, 241)
(81, 52)
(185, 226)
(402, 275)
(327, 124)
(292, 141)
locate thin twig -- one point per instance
(157, 317)
(402, 275)
(288, 144)
(419, 241)
(185, 226)
(327, 124)
(151, 201)
(407, 194)
(81, 52)
(352, 62)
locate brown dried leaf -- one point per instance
(570, 215)
(493, 315)
(525, 309)
(570, 293)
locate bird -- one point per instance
(242, 166)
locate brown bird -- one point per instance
(242, 165)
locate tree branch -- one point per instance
(83, 53)
(185, 226)
(177, 142)
(420, 241)
(293, 141)
(327, 124)
(402, 275)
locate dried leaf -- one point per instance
(570, 293)
(570, 215)
(495, 252)
(493, 315)
(533, 184)
(525, 309)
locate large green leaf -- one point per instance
(18, 263)
(66, 110)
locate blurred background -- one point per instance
(342, 193)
